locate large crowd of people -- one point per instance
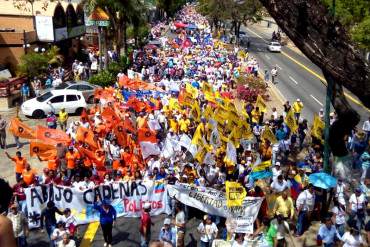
(192, 78)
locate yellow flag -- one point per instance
(291, 122)
(240, 108)
(261, 166)
(173, 104)
(195, 111)
(260, 103)
(245, 130)
(207, 88)
(317, 128)
(208, 112)
(200, 155)
(235, 194)
(267, 134)
(191, 90)
(197, 137)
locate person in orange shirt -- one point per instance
(29, 175)
(20, 163)
(53, 162)
(99, 158)
(71, 158)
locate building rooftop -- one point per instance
(24, 8)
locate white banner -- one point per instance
(126, 197)
(44, 28)
(213, 202)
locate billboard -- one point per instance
(44, 28)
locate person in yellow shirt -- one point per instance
(256, 114)
(63, 118)
(141, 121)
(297, 109)
(284, 206)
(184, 124)
(174, 126)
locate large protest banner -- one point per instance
(126, 197)
(214, 202)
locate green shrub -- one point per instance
(103, 79)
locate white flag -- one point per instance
(149, 148)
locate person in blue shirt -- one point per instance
(25, 92)
(280, 133)
(165, 234)
(161, 174)
(108, 216)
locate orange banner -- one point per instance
(147, 135)
(43, 150)
(87, 136)
(20, 129)
(52, 136)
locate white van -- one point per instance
(71, 100)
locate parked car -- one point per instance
(274, 46)
(72, 101)
(85, 87)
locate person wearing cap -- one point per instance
(20, 225)
(165, 234)
(63, 119)
(297, 109)
(353, 238)
(357, 205)
(107, 218)
(208, 231)
(145, 225)
(327, 233)
(276, 171)
(305, 204)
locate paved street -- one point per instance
(294, 78)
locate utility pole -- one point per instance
(329, 92)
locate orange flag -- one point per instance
(86, 135)
(109, 114)
(45, 151)
(147, 135)
(52, 136)
(121, 135)
(91, 155)
(128, 125)
(21, 130)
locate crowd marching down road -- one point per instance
(201, 143)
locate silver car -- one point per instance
(85, 87)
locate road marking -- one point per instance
(293, 80)
(322, 79)
(318, 102)
(267, 57)
(279, 67)
(259, 36)
(90, 234)
(314, 73)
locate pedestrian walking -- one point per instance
(305, 205)
(57, 235)
(63, 119)
(48, 219)
(297, 109)
(180, 225)
(357, 204)
(51, 120)
(165, 235)
(327, 234)
(145, 225)
(20, 225)
(3, 125)
(107, 218)
(274, 74)
(208, 231)
(67, 241)
(25, 92)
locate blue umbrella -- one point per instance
(322, 180)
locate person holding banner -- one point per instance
(107, 218)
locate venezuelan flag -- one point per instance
(158, 187)
(295, 189)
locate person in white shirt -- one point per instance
(305, 204)
(357, 204)
(283, 230)
(59, 231)
(69, 221)
(279, 185)
(339, 216)
(208, 231)
(66, 242)
(276, 171)
(353, 238)
(340, 191)
(239, 240)
(366, 128)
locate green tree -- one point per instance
(35, 64)
(355, 16)
(170, 7)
